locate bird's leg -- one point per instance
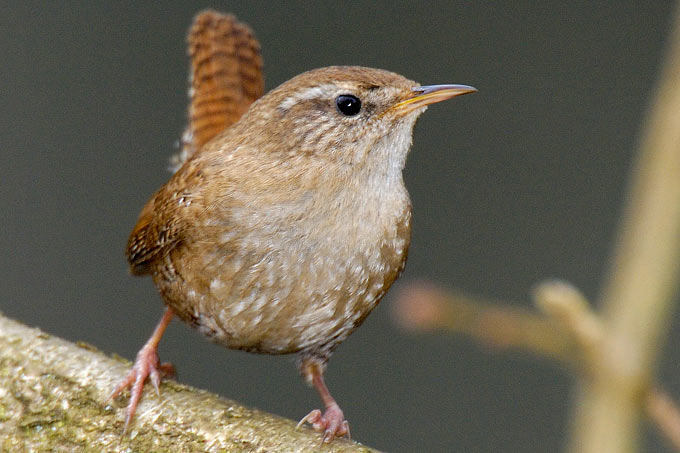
(146, 366)
(332, 421)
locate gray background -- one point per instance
(522, 181)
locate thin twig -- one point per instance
(569, 331)
(665, 414)
(498, 325)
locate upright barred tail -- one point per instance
(225, 78)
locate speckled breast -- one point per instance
(274, 293)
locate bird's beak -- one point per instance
(425, 95)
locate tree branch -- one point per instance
(52, 398)
(499, 325)
(568, 331)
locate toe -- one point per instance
(125, 383)
(146, 366)
(313, 418)
(336, 425)
(155, 378)
(332, 423)
(345, 430)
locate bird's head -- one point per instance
(343, 113)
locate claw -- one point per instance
(332, 422)
(312, 418)
(155, 378)
(345, 427)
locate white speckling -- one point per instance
(228, 236)
(216, 284)
(271, 277)
(308, 336)
(259, 303)
(238, 308)
(207, 325)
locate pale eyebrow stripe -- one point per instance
(310, 93)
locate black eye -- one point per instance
(348, 105)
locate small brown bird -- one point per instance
(287, 220)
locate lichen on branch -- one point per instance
(53, 398)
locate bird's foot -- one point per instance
(332, 422)
(146, 366)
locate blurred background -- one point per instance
(522, 181)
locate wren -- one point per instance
(287, 218)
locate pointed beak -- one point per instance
(425, 95)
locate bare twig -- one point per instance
(570, 332)
(498, 325)
(563, 302)
(663, 411)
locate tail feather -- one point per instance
(225, 78)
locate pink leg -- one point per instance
(332, 422)
(146, 366)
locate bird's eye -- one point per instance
(348, 105)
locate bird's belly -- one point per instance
(286, 297)
(287, 305)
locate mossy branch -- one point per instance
(53, 398)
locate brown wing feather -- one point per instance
(226, 77)
(157, 232)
